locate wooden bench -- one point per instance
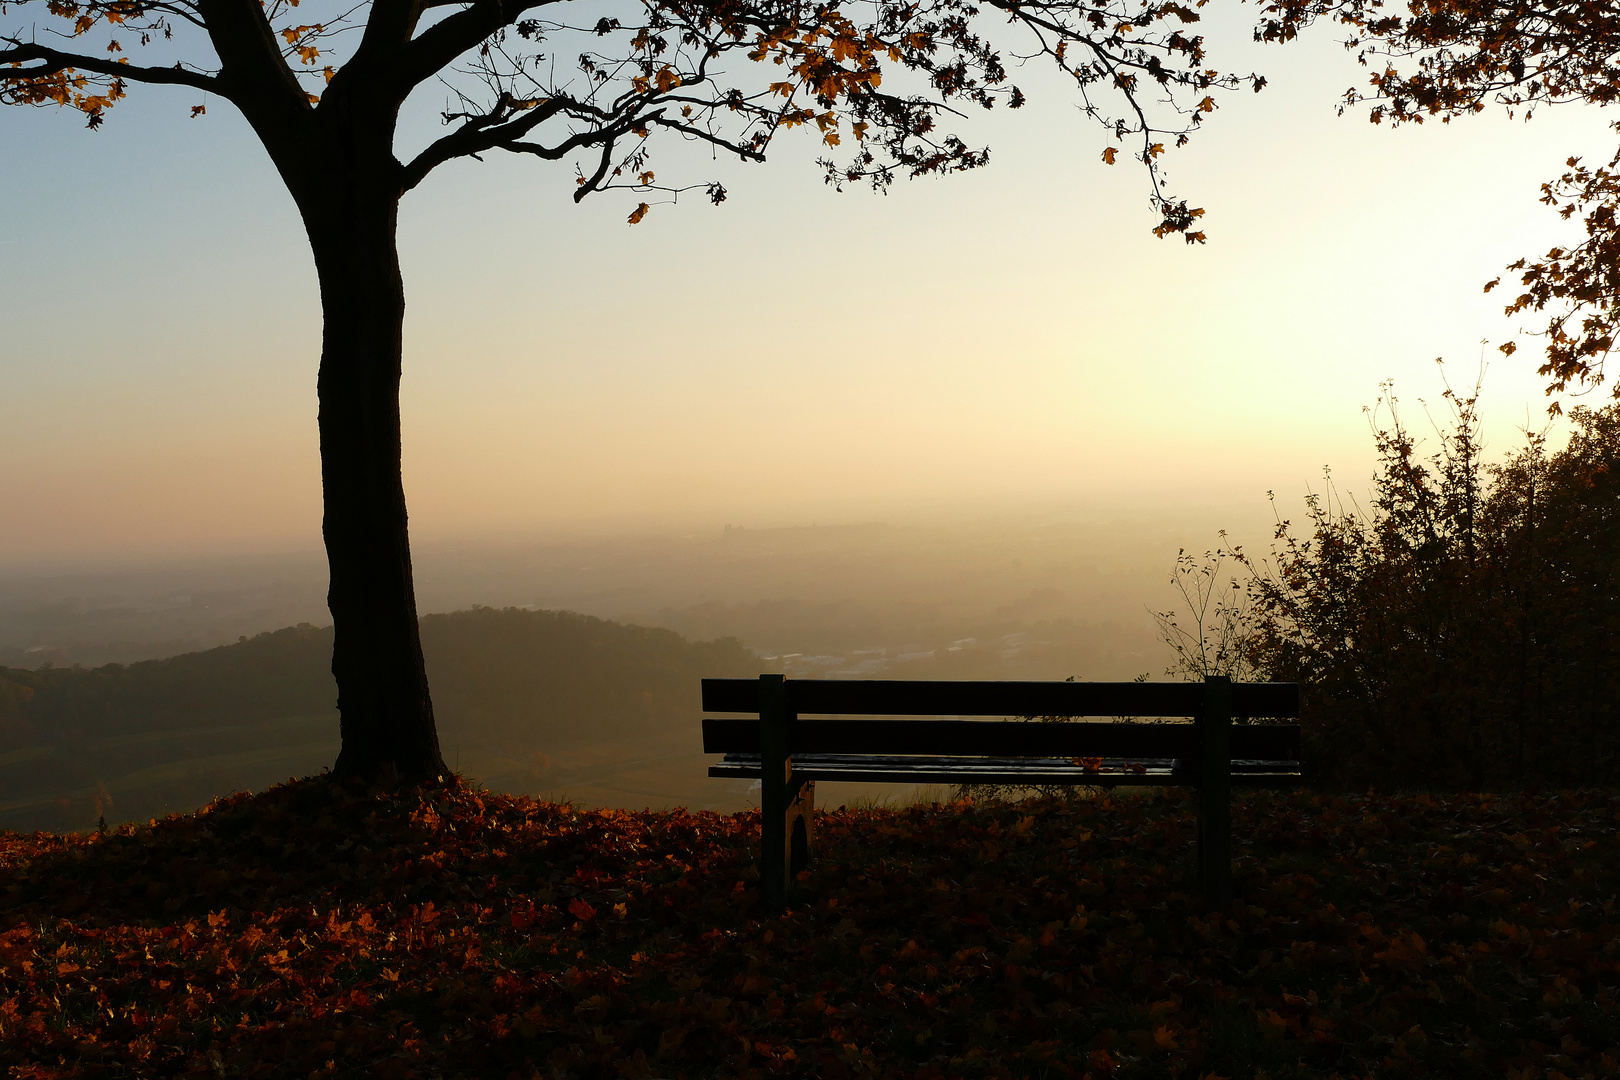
(799, 733)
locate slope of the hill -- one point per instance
(527, 700)
(314, 931)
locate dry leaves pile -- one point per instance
(317, 931)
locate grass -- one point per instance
(318, 931)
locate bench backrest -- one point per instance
(979, 738)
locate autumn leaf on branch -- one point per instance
(656, 66)
(1459, 57)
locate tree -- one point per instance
(1443, 59)
(1459, 632)
(592, 84)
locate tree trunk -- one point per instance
(387, 714)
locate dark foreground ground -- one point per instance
(314, 932)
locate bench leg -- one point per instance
(1215, 850)
(773, 821)
(1215, 794)
(789, 831)
(777, 797)
(800, 830)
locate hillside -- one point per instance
(313, 931)
(542, 701)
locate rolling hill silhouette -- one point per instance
(549, 702)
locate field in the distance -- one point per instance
(314, 931)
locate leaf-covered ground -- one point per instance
(313, 932)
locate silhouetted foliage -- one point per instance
(1221, 619)
(1460, 633)
(1443, 59)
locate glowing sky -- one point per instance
(1010, 338)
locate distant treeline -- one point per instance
(578, 677)
(283, 673)
(1463, 630)
(490, 669)
(167, 734)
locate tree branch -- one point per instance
(253, 73)
(388, 30)
(52, 61)
(747, 153)
(427, 54)
(602, 168)
(481, 133)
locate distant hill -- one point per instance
(542, 701)
(508, 672)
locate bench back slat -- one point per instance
(977, 738)
(879, 697)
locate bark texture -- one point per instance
(349, 198)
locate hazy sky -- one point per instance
(1006, 339)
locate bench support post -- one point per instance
(799, 829)
(786, 808)
(1215, 793)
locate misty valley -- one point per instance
(141, 692)
(1458, 634)
(555, 704)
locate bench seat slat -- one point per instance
(980, 738)
(894, 697)
(918, 768)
